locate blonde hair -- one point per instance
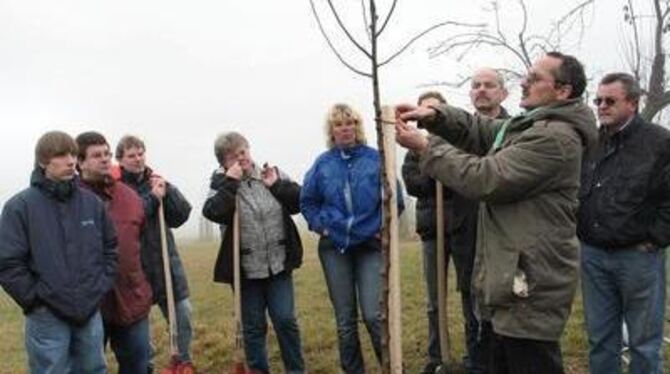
(339, 113)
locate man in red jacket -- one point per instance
(126, 307)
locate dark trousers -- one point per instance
(507, 355)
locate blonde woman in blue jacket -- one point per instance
(341, 201)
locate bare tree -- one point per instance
(521, 44)
(647, 62)
(370, 50)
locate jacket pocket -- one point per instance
(500, 278)
(632, 187)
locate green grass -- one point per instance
(214, 332)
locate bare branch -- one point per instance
(522, 41)
(346, 31)
(636, 40)
(541, 41)
(482, 37)
(523, 47)
(418, 36)
(332, 48)
(651, 109)
(462, 40)
(666, 12)
(388, 17)
(496, 13)
(457, 84)
(657, 77)
(365, 20)
(467, 49)
(577, 9)
(577, 13)
(509, 75)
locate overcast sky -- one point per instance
(178, 73)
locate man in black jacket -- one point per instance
(624, 226)
(422, 187)
(130, 153)
(487, 92)
(57, 261)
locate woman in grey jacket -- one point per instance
(269, 244)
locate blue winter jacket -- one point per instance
(341, 195)
(57, 250)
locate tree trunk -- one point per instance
(386, 201)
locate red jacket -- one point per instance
(130, 300)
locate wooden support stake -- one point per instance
(442, 279)
(169, 291)
(238, 353)
(395, 310)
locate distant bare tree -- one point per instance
(523, 45)
(645, 54)
(370, 50)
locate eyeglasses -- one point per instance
(608, 101)
(532, 78)
(101, 154)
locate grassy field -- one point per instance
(214, 333)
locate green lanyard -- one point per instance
(500, 135)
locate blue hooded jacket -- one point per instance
(57, 249)
(341, 195)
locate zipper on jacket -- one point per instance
(350, 207)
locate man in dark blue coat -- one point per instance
(57, 261)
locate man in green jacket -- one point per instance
(527, 261)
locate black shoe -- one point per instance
(441, 369)
(431, 367)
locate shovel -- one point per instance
(445, 342)
(175, 366)
(239, 359)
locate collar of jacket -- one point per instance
(564, 110)
(635, 122)
(346, 153)
(102, 188)
(58, 190)
(504, 114)
(135, 179)
(254, 174)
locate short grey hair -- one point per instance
(228, 142)
(500, 78)
(629, 83)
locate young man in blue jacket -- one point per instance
(57, 261)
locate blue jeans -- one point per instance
(55, 346)
(131, 346)
(184, 328)
(624, 285)
(274, 295)
(353, 278)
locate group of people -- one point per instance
(80, 253)
(541, 200)
(533, 203)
